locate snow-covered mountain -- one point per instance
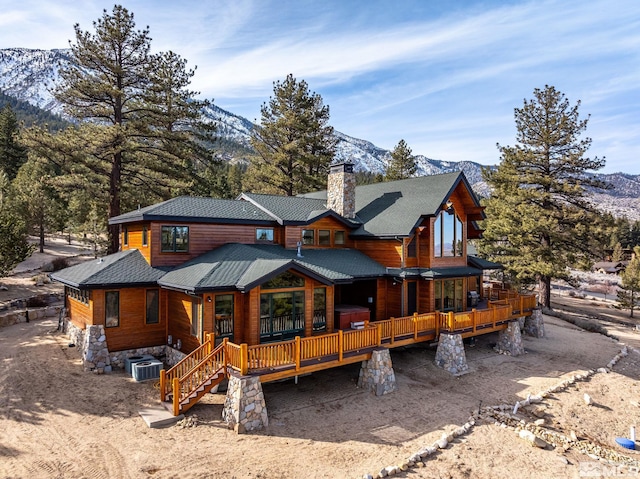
(29, 75)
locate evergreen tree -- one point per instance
(539, 222)
(618, 253)
(36, 199)
(140, 129)
(12, 153)
(629, 292)
(294, 143)
(14, 246)
(402, 164)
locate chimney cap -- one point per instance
(344, 167)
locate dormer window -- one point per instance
(175, 239)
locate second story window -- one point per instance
(125, 235)
(324, 237)
(145, 236)
(448, 235)
(338, 237)
(175, 239)
(264, 234)
(308, 237)
(412, 248)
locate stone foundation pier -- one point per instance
(376, 374)
(534, 324)
(450, 354)
(510, 340)
(245, 409)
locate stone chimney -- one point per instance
(341, 190)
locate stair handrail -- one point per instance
(178, 382)
(184, 366)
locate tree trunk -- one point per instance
(114, 202)
(41, 227)
(544, 291)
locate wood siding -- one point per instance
(202, 238)
(385, 252)
(80, 314)
(134, 233)
(180, 321)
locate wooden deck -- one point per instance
(205, 367)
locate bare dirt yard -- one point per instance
(57, 421)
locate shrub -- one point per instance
(60, 263)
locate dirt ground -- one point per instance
(57, 421)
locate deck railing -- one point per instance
(289, 357)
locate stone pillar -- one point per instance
(377, 374)
(95, 353)
(534, 324)
(510, 340)
(244, 408)
(450, 354)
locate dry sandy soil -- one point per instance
(57, 421)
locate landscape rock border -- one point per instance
(503, 416)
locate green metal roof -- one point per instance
(482, 263)
(395, 208)
(197, 209)
(124, 269)
(455, 272)
(243, 266)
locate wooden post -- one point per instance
(244, 359)
(379, 333)
(521, 304)
(415, 326)
(176, 396)
(297, 353)
(340, 345)
(474, 317)
(393, 329)
(163, 382)
(451, 320)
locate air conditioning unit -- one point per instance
(129, 362)
(145, 370)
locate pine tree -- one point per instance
(618, 253)
(294, 142)
(629, 292)
(36, 199)
(141, 132)
(12, 153)
(402, 164)
(539, 222)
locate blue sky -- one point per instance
(445, 76)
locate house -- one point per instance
(266, 270)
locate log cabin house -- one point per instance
(260, 272)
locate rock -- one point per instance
(539, 422)
(538, 411)
(442, 443)
(367, 476)
(533, 439)
(603, 370)
(587, 399)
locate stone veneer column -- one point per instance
(244, 408)
(534, 324)
(450, 354)
(95, 353)
(377, 374)
(510, 340)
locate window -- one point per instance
(448, 235)
(145, 236)
(308, 237)
(448, 295)
(264, 234)
(125, 235)
(112, 309)
(324, 237)
(320, 309)
(338, 237)
(175, 239)
(153, 306)
(224, 316)
(195, 318)
(79, 295)
(281, 315)
(284, 280)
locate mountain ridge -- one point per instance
(29, 75)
